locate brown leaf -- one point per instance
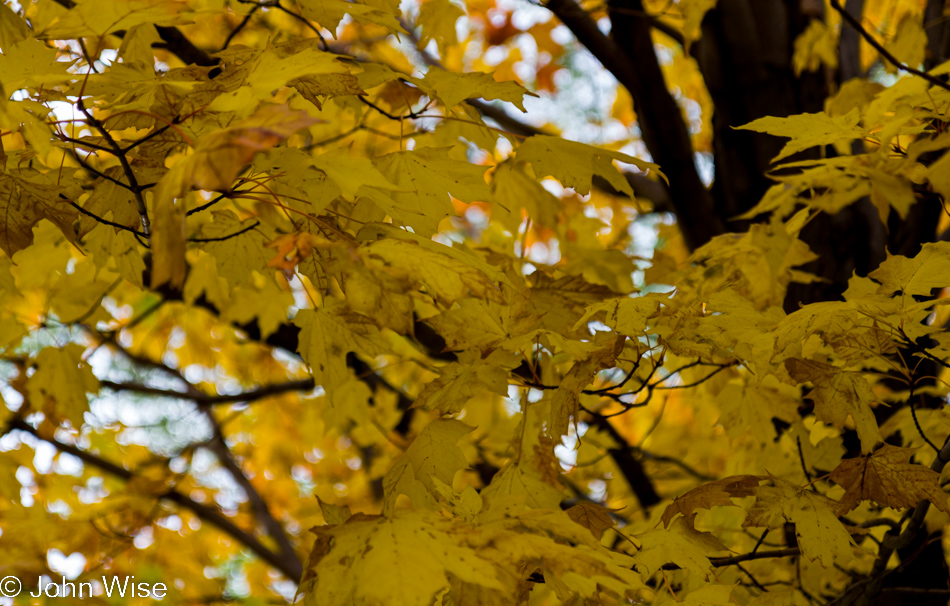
(887, 477)
(711, 494)
(595, 518)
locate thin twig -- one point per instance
(100, 219)
(203, 399)
(240, 26)
(126, 167)
(853, 22)
(227, 237)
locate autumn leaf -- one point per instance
(680, 544)
(820, 535)
(575, 164)
(327, 334)
(26, 198)
(433, 455)
(592, 516)
(711, 494)
(839, 394)
(887, 477)
(61, 381)
(566, 401)
(808, 130)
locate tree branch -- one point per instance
(227, 237)
(203, 399)
(853, 22)
(219, 446)
(99, 219)
(630, 57)
(204, 512)
(756, 555)
(119, 153)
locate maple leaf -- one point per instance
(359, 562)
(820, 535)
(446, 278)
(575, 164)
(680, 544)
(431, 456)
(839, 394)
(458, 383)
(453, 88)
(26, 197)
(808, 130)
(327, 334)
(592, 516)
(711, 494)
(919, 275)
(566, 400)
(887, 477)
(61, 381)
(425, 178)
(89, 18)
(219, 156)
(237, 247)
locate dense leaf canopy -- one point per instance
(455, 303)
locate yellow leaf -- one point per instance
(566, 399)
(453, 88)
(221, 155)
(909, 44)
(592, 516)
(27, 197)
(237, 246)
(437, 18)
(433, 455)
(329, 13)
(445, 278)
(919, 275)
(820, 535)
(460, 382)
(365, 560)
(352, 174)
(92, 18)
(839, 394)
(425, 178)
(711, 494)
(680, 544)
(815, 46)
(334, 514)
(575, 164)
(60, 383)
(808, 130)
(327, 334)
(31, 63)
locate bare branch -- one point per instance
(227, 237)
(853, 22)
(756, 555)
(630, 57)
(219, 446)
(204, 512)
(211, 400)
